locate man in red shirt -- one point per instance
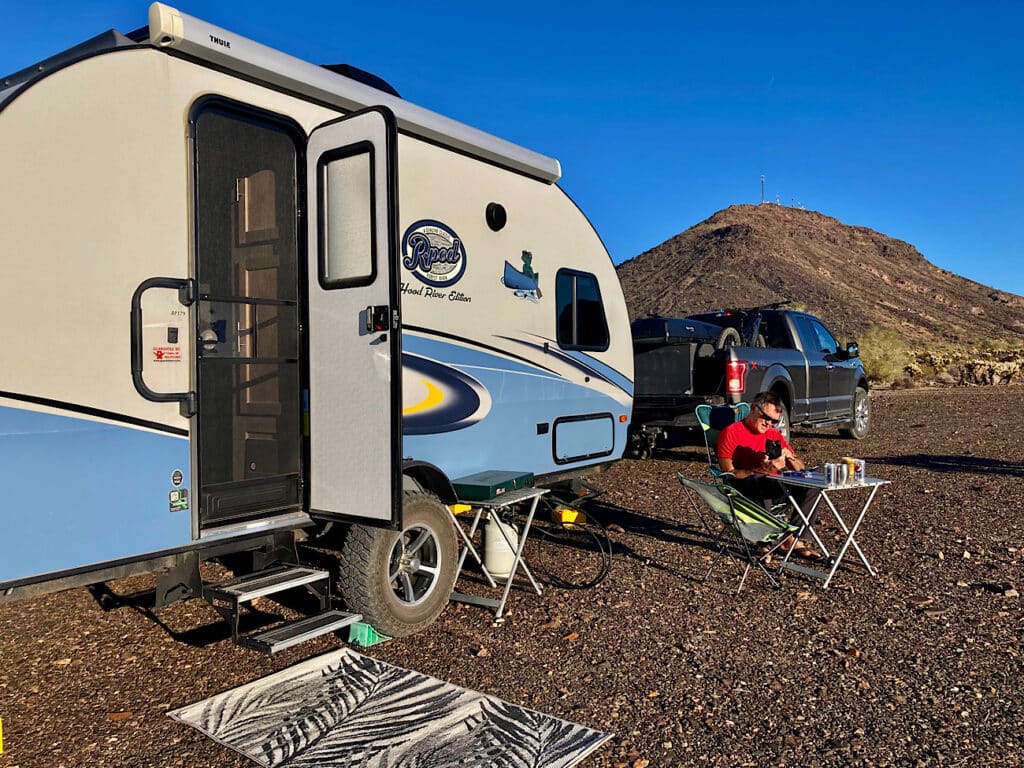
(753, 450)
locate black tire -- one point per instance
(729, 337)
(421, 557)
(860, 418)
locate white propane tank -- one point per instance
(498, 555)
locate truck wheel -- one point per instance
(783, 426)
(400, 580)
(860, 419)
(729, 337)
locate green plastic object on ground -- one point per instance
(364, 635)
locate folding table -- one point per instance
(496, 506)
(816, 481)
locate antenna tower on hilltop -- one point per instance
(762, 189)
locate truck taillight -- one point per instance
(735, 377)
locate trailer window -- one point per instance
(347, 222)
(581, 319)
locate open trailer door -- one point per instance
(355, 425)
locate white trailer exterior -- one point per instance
(242, 294)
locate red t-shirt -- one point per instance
(746, 448)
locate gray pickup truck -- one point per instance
(730, 356)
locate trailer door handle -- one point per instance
(378, 318)
(186, 296)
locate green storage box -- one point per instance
(490, 484)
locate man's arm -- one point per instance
(792, 461)
(766, 468)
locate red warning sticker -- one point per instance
(167, 354)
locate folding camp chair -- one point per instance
(713, 419)
(747, 533)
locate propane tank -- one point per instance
(498, 555)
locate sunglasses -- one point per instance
(765, 417)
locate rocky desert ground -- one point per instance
(919, 666)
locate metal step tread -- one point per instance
(826, 423)
(805, 570)
(262, 583)
(295, 632)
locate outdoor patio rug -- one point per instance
(343, 710)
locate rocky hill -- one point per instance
(853, 276)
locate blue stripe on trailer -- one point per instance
(506, 434)
(80, 492)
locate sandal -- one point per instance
(806, 553)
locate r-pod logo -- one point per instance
(433, 253)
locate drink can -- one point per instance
(842, 473)
(830, 474)
(851, 467)
(859, 473)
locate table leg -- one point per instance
(468, 541)
(518, 560)
(850, 540)
(805, 524)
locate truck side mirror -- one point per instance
(852, 350)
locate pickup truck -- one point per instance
(730, 356)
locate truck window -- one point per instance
(775, 331)
(825, 341)
(581, 322)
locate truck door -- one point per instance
(817, 369)
(355, 427)
(840, 372)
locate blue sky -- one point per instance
(905, 117)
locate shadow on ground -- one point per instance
(955, 464)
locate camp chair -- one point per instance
(746, 532)
(713, 419)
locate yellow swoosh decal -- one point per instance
(434, 397)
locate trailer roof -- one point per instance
(171, 30)
(107, 41)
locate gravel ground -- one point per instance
(921, 666)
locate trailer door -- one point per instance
(354, 339)
(248, 425)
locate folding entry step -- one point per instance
(228, 597)
(293, 633)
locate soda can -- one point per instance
(830, 474)
(842, 473)
(859, 474)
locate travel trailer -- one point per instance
(248, 301)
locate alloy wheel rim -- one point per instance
(414, 565)
(862, 416)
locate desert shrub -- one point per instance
(885, 354)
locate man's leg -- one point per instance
(763, 489)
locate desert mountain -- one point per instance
(853, 277)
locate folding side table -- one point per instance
(816, 481)
(495, 506)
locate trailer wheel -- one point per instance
(400, 580)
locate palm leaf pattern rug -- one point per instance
(343, 709)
